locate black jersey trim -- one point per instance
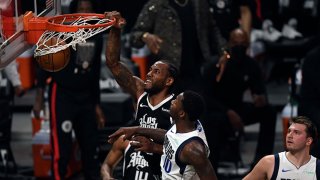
(276, 167)
(182, 165)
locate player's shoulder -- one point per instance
(194, 147)
(268, 159)
(263, 169)
(266, 163)
(193, 152)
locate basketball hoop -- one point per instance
(68, 29)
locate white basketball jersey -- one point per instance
(174, 142)
(288, 171)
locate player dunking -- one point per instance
(153, 98)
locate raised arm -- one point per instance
(194, 153)
(124, 77)
(113, 158)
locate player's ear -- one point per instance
(182, 113)
(170, 81)
(309, 140)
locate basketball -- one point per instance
(55, 61)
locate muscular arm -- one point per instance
(156, 134)
(123, 76)
(113, 158)
(263, 170)
(194, 153)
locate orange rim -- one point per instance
(54, 23)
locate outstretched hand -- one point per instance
(128, 133)
(120, 21)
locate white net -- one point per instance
(63, 40)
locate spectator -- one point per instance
(182, 31)
(294, 163)
(153, 97)
(226, 83)
(75, 103)
(232, 14)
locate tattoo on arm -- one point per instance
(121, 73)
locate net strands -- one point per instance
(49, 3)
(67, 39)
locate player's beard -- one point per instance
(153, 90)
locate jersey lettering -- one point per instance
(148, 122)
(137, 161)
(168, 148)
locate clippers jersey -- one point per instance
(136, 167)
(149, 116)
(171, 166)
(286, 170)
(158, 116)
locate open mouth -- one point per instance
(147, 81)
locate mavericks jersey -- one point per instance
(136, 167)
(174, 142)
(286, 170)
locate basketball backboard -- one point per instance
(12, 36)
